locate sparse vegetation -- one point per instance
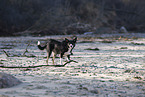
(123, 48)
(46, 17)
(137, 77)
(106, 41)
(93, 49)
(137, 43)
(86, 42)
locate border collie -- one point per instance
(55, 47)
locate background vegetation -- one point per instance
(46, 17)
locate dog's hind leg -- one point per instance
(53, 54)
(48, 56)
(49, 51)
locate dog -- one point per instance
(55, 47)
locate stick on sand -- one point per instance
(38, 65)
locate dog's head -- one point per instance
(71, 44)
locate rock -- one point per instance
(7, 80)
(123, 30)
(95, 91)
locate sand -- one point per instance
(116, 69)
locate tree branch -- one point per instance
(23, 55)
(119, 10)
(6, 53)
(26, 49)
(38, 65)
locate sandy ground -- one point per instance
(117, 69)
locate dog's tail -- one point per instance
(41, 47)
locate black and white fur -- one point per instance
(55, 47)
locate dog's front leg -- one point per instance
(61, 61)
(61, 56)
(68, 58)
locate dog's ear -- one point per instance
(66, 40)
(75, 39)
